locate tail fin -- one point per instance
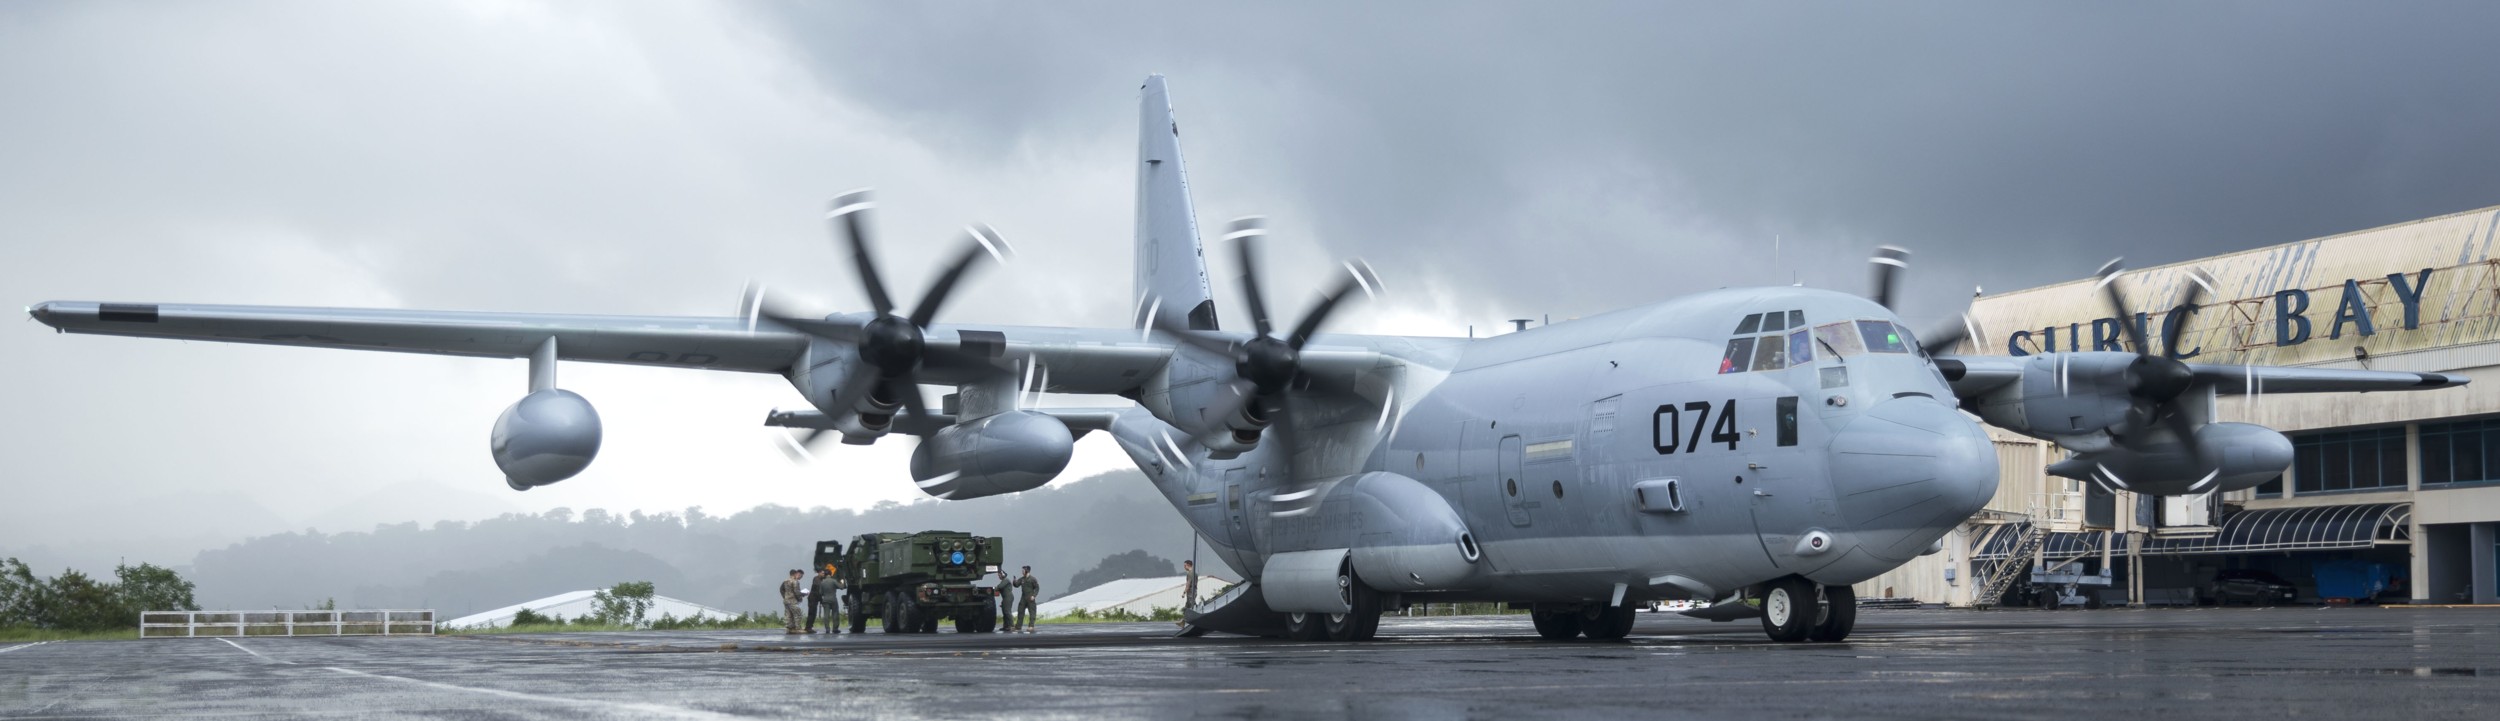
(1171, 272)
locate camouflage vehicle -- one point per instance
(910, 581)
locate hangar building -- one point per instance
(2391, 498)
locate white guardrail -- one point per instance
(238, 624)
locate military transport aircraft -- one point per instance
(1768, 444)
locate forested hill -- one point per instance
(732, 562)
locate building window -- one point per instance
(2337, 461)
(2460, 452)
(2271, 489)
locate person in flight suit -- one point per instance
(1028, 599)
(790, 602)
(820, 595)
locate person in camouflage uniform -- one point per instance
(1028, 599)
(1006, 601)
(790, 602)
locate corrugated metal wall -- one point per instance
(2459, 304)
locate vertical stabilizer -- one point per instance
(1171, 272)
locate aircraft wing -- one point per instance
(2240, 379)
(1976, 374)
(679, 342)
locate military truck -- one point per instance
(911, 581)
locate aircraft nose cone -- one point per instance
(44, 312)
(1907, 472)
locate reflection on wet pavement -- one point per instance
(2208, 663)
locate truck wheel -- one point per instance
(859, 618)
(893, 615)
(989, 619)
(928, 620)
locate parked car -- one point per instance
(2248, 586)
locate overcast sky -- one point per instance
(1491, 161)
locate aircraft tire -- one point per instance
(1607, 623)
(1555, 625)
(1839, 617)
(1789, 609)
(1306, 626)
(1361, 624)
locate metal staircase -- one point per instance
(2014, 568)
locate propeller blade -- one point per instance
(2118, 307)
(1245, 233)
(1202, 339)
(982, 241)
(907, 389)
(2185, 429)
(849, 214)
(1889, 261)
(1358, 277)
(2200, 284)
(1939, 342)
(839, 330)
(799, 448)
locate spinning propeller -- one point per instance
(2155, 380)
(1264, 365)
(891, 347)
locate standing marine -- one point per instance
(790, 602)
(1007, 600)
(1028, 599)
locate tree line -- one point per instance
(73, 601)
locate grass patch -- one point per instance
(23, 635)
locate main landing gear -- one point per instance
(1597, 622)
(1795, 609)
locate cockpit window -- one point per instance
(1907, 339)
(1770, 354)
(1796, 319)
(1881, 337)
(1842, 337)
(1800, 347)
(1774, 321)
(1739, 356)
(1751, 324)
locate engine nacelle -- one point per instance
(548, 436)
(2236, 455)
(1006, 453)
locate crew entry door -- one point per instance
(1514, 491)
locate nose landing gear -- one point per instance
(1795, 609)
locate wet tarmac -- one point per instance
(2346, 663)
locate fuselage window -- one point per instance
(1774, 321)
(1842, 337)
(1881, 337)
(1800, 347)
(1751, 324)
(1770, 354)
(1739, 356)
(1786, 409)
